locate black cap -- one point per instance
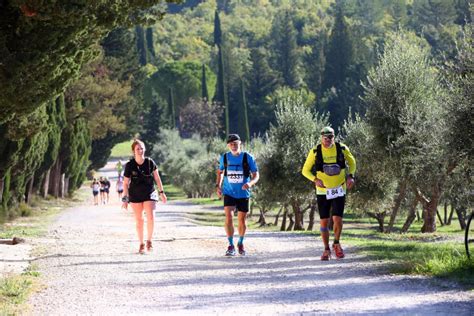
(232, 138)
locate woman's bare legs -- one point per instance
(138, 211)
(149, 207)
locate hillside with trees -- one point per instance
(393, 77)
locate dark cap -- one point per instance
(232, 138)
(328, 130)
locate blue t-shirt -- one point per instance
(234, 180)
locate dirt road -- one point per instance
(92, 267)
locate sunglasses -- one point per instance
(328, 136)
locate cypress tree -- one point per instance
(340, 53)
(263, 82)
(150, 43)
(221, 89)
(243, 114)
(286, 50)
(221, 95)
(217, 29)
(43, 46)
(205, 93)
(171, 107)
(141, 45)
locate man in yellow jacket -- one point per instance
(335, 168)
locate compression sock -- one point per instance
(241, 240)
(231, 241)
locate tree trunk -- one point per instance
(445, 212)
(283, 221)
(460, 211)
(29, 189)
(396, 205)
(439, 218)
(261, 219)
(312, 211)
(62, 181)
(430, 208)
(277, 216)
(292, 222)
(66, 186)
(411, 215)
(451, 215)
(2, 184)
(380, 217)
(45, 188)
(55, 179)
(298, 223)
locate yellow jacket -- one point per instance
(329, 157)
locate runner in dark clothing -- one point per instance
(140, 176)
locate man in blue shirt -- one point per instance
(237, 173)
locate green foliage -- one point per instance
(221, 91)
(295, 133)
(75, 147)
(56, 111)
(407, 117)
(375, 186)
(262, 81)
(287, 59)
(243, 115)
(184, 78)
(43, 46)
(187, 163)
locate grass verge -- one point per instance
(14, 288)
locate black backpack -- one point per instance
(340, 159)
(245, 165)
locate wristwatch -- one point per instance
(125, 199)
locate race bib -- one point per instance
(235, 176)
(333, 193)
(154, 196)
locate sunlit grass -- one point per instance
(122, 150)
(14, 291)
(174, 193)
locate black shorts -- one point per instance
(140, 197)
(95, 193)
(334, 206)
(242, 205)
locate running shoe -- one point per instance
(241, 249)
(141, 250)
(230, 251)
(326, 255)
(149, 246)
(338, 250)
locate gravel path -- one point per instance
(92, 267)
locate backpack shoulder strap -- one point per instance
(319, 158)
(225, 164)
(245, 165)
(340, 159)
